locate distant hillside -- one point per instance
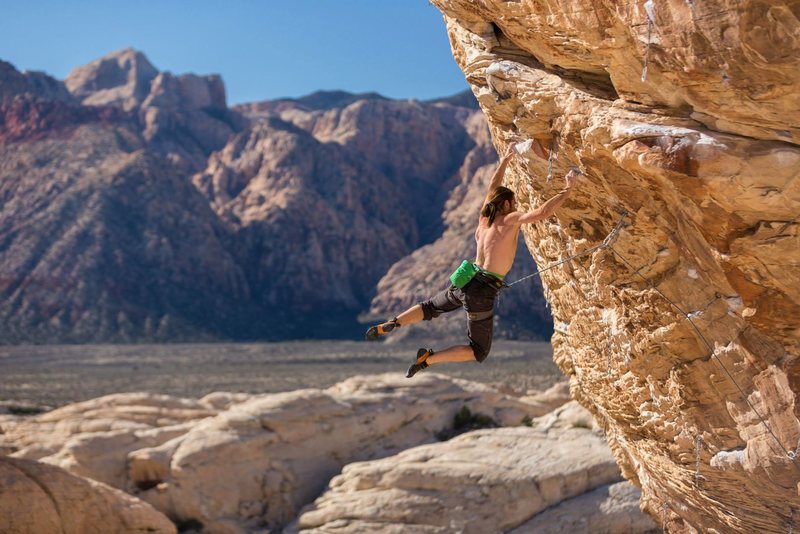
(136, 205)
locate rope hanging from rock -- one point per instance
(551, 157)
(608, 243)
(650, 10)
(712, 353)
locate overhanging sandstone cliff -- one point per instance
(700, 400)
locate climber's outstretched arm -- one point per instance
(549, 207)
(497, 177)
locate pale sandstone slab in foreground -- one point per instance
(487, 481)
(37, 498)
(234, 463)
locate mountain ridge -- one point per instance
(156, 212)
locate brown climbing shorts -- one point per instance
(477, 297)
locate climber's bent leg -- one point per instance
(479, 331)
(459, 353)
(443, 302)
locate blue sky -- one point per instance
(263, 49)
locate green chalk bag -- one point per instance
(465, 272)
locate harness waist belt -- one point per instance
(486, 278)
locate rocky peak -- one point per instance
(168, 106)
(316, 101)
(37, 84)
(121, 78)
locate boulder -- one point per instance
(486, 481)
(609, 509)
(93, 438)
(550, 399)
(257, 463)
(36, 498)
(119, 412)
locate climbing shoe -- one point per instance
(420, 363)
(375, 332)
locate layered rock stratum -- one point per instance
(136, 205)
(680, 336)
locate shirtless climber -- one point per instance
(496, 236)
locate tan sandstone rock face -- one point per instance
(36, 498)
(701, 154)
(487, 481)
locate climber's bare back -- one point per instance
(497, 244)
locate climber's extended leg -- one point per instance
(420, 363)
(443, 302)
(375, 332)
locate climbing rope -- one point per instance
(689, 317)
(664, 516)
(551, 157)
(650, 10)
(605, 243)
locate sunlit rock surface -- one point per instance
(700, 152)
(93, 438)
(237, 462)
(36, 498)
(487, 481)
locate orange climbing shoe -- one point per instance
(421, 362)
(377, 331)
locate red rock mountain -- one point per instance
(135, 205)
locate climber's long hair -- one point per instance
(494, 207)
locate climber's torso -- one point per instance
(496, 244)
